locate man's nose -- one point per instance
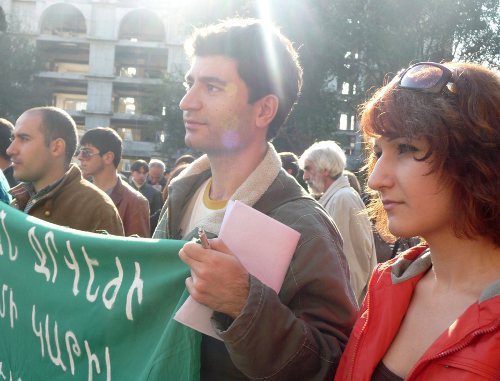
(10, 149)
(190, 100)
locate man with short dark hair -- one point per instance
(6, 129)
(100, 154)
(290, 163)
(43, 143)
(243, 81)
(139, 173)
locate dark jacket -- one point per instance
(162, 182)
(155, 202)
(9, 175)
(4, 189)
(133, 208)
(75, 203)
(153, 196)
(299, 334)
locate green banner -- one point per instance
(82, 306)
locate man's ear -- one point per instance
(108, 157)
(58, 147)
(266, 109)
(325, 172)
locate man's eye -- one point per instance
(212, 88)
(187, 85)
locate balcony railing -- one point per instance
(140, 149)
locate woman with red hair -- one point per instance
(433, 312)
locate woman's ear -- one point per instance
(266, 108)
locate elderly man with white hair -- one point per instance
(155, 175)
(323, 164)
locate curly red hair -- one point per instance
(463, 131)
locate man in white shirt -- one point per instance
(242, 84)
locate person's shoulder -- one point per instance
(407, 264)
(348, 195)
(125, 187)
(306, 216)
(150, 189)
(90, 193)
(347, 191)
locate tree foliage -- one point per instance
(390, 34)
(163, 101)
(361, 42)
(3, 21)
(355, 42)
(19, 89)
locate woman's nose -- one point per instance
(381, 175)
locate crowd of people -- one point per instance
(431, 312)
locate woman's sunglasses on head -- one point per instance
(427, 77)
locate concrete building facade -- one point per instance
(102, 58)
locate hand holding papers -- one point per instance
(263, 245)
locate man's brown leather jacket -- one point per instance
(133, 208)
(74, 202)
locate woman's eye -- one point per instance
(377, 154)
(405, 148)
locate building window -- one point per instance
(129, 72)
(345, 88)
(343, 122)
(126, 105)
(125, 133)
(347, 123)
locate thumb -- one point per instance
(219, 245)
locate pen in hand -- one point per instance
(203, 238)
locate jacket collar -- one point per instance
(412, 263)
(249, 192)
(341, 182)
(116, 194)
(416, 261)
(21, 195)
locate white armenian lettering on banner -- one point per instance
(89, 307)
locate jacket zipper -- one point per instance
(458, 347)
(368, 300)
(361, 334)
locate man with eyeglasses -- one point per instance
(43, 142)
(99, 155)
